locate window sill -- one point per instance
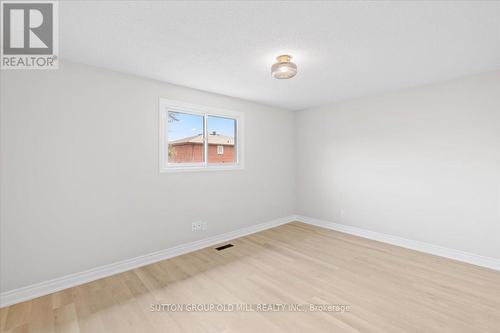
(175, 169)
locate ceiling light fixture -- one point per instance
(284, 68)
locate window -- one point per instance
(185, 138)
(194, 138)
(221, 135)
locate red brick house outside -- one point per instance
(190, 149)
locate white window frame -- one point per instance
(220, 150)
(166, 105)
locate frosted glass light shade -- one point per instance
(284, 68)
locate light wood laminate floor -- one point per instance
(388, 288)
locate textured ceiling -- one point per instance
(342, 49)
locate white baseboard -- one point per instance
(467, 257)
(47, 287)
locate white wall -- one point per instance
(423, 163)
(80, 185)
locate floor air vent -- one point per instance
(223, 247)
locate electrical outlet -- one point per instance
(198, 226)
(195, 226)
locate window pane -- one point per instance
(221, 134)
(185, 138)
